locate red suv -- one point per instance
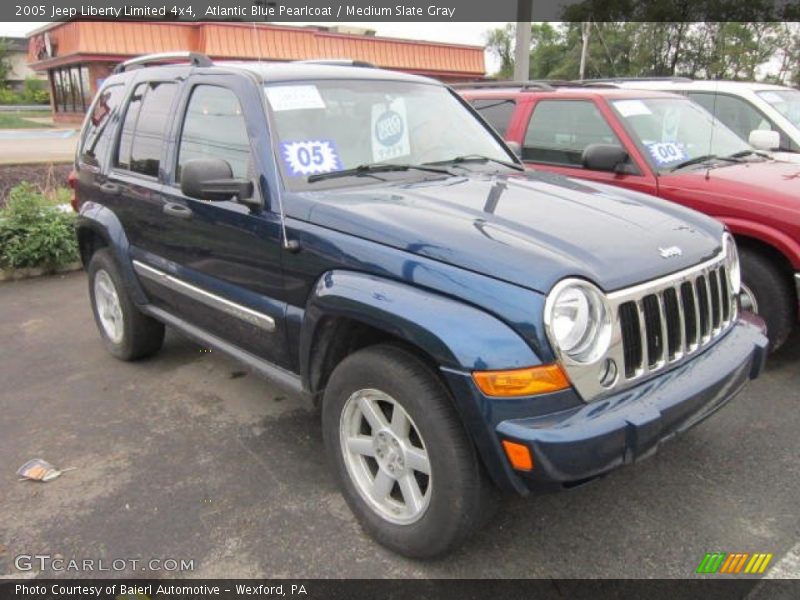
(668, 146)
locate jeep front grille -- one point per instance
(662, 322)
(657, 325)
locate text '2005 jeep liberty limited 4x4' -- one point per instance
(362, 237)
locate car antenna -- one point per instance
(713, 124)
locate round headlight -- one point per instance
(732, 263)
(578, 320)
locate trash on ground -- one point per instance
(40, 470)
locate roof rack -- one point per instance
(624, 79)
(195, 58)
(522, 85)
(337, 62)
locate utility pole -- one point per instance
(586, 30)
(522, 45)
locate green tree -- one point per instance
(500, 41)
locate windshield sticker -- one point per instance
(390, 131)
(294, 97)
(631, 108)
(309, 157)
(665, 153)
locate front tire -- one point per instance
(767, 292)
(126, 333)
(406, 466)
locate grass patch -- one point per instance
(9, 120)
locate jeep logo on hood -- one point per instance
(670, 252)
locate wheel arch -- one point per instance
(98, 227)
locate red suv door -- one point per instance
(554, 132)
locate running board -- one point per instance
(281, 377)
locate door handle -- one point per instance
(177, 210)
(109, 188)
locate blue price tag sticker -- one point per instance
(665, 153)
(309, 157)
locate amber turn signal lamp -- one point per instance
(518, 455)
(522, 382)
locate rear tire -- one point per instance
(381, 470)
(774, 297)
(127, 333)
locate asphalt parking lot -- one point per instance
(186, 456)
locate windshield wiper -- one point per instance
(743, 153)
(701, 159)
(369, 169)
(477, 158)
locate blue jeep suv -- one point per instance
(361, 237)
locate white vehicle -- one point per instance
(767, 116)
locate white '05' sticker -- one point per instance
(308, 157)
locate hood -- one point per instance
(769, 182)
(531, 229)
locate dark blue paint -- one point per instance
(455, 266)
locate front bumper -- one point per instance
(586, 441)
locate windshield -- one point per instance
(335, 125)
(675, 130)
(786, 102)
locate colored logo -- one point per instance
(734, 563)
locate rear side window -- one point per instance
(144, 128)
(97, 135)
(215, 127)
(497, 112)
(559, 130)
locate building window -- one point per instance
(71, 89)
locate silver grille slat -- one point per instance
(662, 317)
(673, 322)
(682, 323)
(645, 366)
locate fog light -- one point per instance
(608, 374)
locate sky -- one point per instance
(457, 33)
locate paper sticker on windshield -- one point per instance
(631, 108)
(665, 153)
(308, 157)
(389, 131)
(294, 97)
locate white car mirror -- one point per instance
(763, 139)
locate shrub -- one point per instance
(34, 232)
(9, 96)
(35, 91)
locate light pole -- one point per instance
(522, 45)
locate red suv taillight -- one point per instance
(72, 182)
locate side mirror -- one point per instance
(764, 139)
(212, 179)
(604, 157)
(515, 148)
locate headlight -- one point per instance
(578, 320)
(732, 263)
